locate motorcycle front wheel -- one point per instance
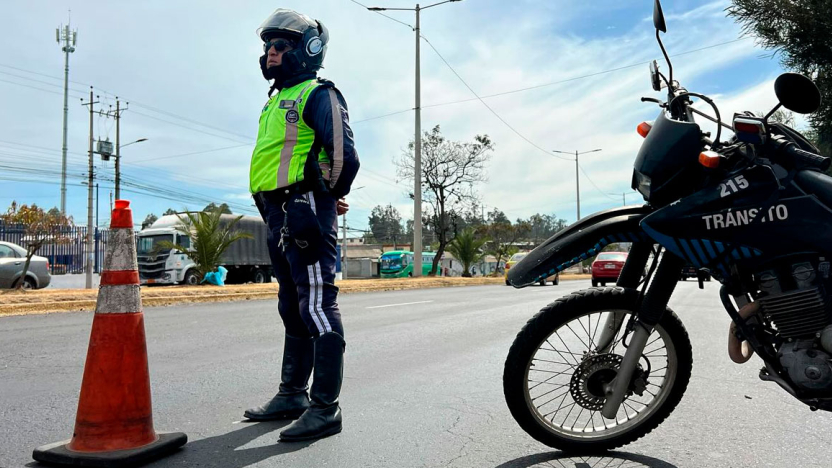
(555, 373)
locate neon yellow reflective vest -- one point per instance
(284, 141)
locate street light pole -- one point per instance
(417, 143)
(577, 186)
(118, 156)
(577, 178)
(417, 158)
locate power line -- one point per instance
(190, 128)
(382, 116)
(489, 107)
(195, 152)
(136, 103)
(34, 87)
(186, 119)
(382, 14)
(543, 85)
(589, 75)
(82, 159)
(38, 81)
(593, 184)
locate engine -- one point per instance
(795, 300)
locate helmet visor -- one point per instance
(286, 21)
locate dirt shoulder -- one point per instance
(47, 301)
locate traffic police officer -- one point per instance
(302, 167)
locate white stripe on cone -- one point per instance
(121, 251)
(119, 299)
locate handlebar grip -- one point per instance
(805, 158)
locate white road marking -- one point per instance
(396, 305)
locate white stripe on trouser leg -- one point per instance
(316, 293)
(317, 268)
(311, 199)
(313, 299)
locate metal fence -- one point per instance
(66, 256)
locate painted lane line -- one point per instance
(396, 305)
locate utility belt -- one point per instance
(283, 194)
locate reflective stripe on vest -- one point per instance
(284, 140)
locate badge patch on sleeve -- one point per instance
(292, 116)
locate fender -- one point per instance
(580, 241)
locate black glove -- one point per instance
(304, 229)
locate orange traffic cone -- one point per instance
(114, 423)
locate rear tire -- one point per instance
(543, 282)
(542, 329)
(594, 283)
(556, 281)
(507, 283)
(259, 276)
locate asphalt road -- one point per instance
(422, 387)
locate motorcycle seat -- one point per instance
(817, 184)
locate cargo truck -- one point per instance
(247, 260)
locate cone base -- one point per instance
(59, 454)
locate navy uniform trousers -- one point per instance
(307, 299)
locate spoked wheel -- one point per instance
(555, 374)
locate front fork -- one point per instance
(629, 278)
(651, 311)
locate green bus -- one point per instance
(399, 264)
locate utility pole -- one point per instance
(69, 39)
(117, 116)
(344, 247)
(89, 262)
(577, 178)
(417, 141)
(118, 150)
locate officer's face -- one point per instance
(276, 51)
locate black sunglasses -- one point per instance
(280, 45)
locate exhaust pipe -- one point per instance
(740, 351)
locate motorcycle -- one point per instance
(602, 367)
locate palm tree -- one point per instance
(210, 235)
(467, 248)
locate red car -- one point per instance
(607, 266)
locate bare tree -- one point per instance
(450, 170)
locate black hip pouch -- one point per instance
(303, 228)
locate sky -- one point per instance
(550, 75)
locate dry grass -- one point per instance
(46, 301)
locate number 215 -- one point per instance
(732, 186)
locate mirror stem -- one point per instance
(765, 119)
(669, 65)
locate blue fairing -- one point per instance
(580, 241)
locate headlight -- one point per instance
(641, 183)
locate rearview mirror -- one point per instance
(655, 79)
(797, 93)
(658, 17)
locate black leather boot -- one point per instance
(291, 400)
(323, 418)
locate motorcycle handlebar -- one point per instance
(800, 157)
(806, 158)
